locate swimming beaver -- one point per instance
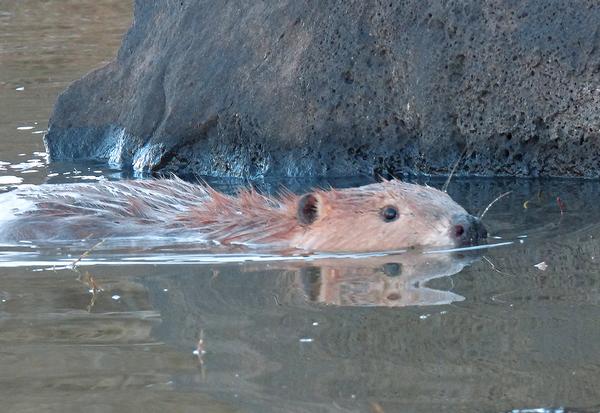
(384, 216)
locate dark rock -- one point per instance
(344, 88)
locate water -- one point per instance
(515, 328)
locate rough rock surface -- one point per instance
(294, 87)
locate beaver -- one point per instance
(385, 216)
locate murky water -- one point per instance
(511, 328)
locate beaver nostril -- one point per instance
(467, 231)
(459, 230)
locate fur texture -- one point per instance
(329, 220)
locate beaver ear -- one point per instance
(308, 209)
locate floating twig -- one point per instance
(376, 408)
(200, 350)
(85, 254)
(539, 196)
(561, 205)
(95, 289)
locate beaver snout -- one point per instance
(468, 230)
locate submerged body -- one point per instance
(385, 216)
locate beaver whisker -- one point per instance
(498, 198)
(460, 158)
(486, 259)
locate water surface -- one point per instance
(181, 328)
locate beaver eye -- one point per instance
(389, 213)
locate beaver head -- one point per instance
(390, 215)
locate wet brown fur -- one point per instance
(345, 219)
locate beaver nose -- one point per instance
(468, 230)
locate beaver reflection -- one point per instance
(392, 281)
